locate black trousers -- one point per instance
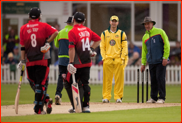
(38, 79)
(82, 76)
(158, 81)
(62, 73)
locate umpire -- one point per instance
(155, 51)
(62, 42)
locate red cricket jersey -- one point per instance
(33, 36)
(80, 38)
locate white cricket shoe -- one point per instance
(71, 110)
(118, 101)
(160, 101)
(86, 109)
(151, 101)
(57, 100)
(105, 100)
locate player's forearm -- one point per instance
(71, 55)
(49, 40)
(23, 54)
(95, 44)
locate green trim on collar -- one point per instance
(109, 28)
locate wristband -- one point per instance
(23, 61)
(22, 48)
(71, 62)
(92, 48)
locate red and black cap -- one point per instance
(34, 13)
(79, 17)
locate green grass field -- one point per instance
(163, 114)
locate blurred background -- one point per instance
(167, 15)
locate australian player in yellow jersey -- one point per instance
(114, 51)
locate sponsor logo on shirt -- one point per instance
(117, 36)
(112, 42)
(81, 28)
(32, 25)
(153, 40)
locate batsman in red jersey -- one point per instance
(34, 52)
(80, 53)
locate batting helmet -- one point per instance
(34, 13)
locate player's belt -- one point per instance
(63, 56)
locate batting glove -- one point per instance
(45, 48)
(92, 52)
(20, 64)
(71, 69)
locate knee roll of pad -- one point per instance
(86, 88)
(38, 91)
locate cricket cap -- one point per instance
(34, 13)
(114, 17)
(79, 17)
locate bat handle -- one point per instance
(73, 77)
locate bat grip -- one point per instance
(73, 77)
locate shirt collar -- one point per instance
(78, 25)
(68, 26)
(33, 20)
(109, 29)
(150, 30)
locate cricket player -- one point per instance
(114, 51)
(61, 41)
(35, 47)
(80, 52)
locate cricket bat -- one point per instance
(76, 95)
(18, 90)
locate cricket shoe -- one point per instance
(160, 101)
(42, 112)
(57, 100)
(86, 109)
(71, 110)
(105, 100)
(118, 101)
(49, 106)
(151, 101)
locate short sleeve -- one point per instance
(124, 37)
(72, 39)
(50, 30)
(95, 37)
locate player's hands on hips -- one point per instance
(122, 61)
(20, 64)
(92, 52)
(45, 48)
(71, 69)
(142, 68)
(164, 62)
